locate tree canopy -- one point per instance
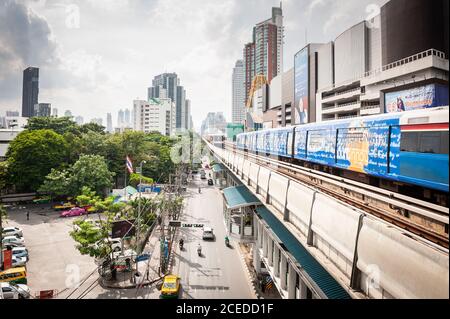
(32, 155)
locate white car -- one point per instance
(20, 252)
(19, 261)
(208, 234)
(115, 243)
(13, 240)
(9, 291)
(12, 231)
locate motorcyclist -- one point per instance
(227, 241)
(181, 243)
(199, 249)
(199, 190)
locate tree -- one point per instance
(135, 179)
(60, 125)
(90, 171)
(92, 127)
(32, 155)
(4, 177)
(57, 183)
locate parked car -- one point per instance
(208, 234)
(19, 261)
(10, 291)
(210, 182)
(11, 240)
(64, 206)
(76, 211)
(20, 252)
(115, 243)
(12, 231)
(170, 287)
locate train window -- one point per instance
(425, 142)
(430, 142)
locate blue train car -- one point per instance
(409, 147)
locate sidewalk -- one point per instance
(149, 268)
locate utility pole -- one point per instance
(139, 214)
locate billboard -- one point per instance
(123, 228)
(301, 86)
(421, 97)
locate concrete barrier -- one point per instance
(398, 266)
(299, 203)
(278, 186)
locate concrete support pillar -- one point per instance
(303, 289)
(265, 243)
(276, 261)
(283, 271)
(292, 280)
(270, 251)
(256, 260)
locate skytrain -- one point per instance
(399, 151)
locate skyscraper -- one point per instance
(127, 118)
(67, 113)
(238, 93)
(187, 119)
(264, 56)
(42, 109)
(109, 125)
(55, 112)
(30, 91)
(79, 120)
(120, 118)
(167, 85)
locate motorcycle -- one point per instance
(199, 190)
(181, 244)
(199, 251)
(227, 242)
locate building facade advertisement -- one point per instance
(422, 97)
(301, 84)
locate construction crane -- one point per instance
(257, 83)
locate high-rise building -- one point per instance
(55, 112)
(264, 56)
(12, 113)
(238, 93)
(127, 118)
(167, 85)
(109, 125)
(67, 113)
(79, 120)
(42, 109)
(30, 91)
(215, 123)
(98, 121)
(120, 118)
(154, 115)
(188, 115)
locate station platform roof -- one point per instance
(238, 197)
(217, 168)
(329, 286)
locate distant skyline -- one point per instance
(93, 68)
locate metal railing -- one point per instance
(410, 59)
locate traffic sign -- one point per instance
(143, 257)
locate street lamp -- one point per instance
(139, 213)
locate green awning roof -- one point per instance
(329, 286)
(239, 196)
(217, 168)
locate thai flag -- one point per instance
(129, 165)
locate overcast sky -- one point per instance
(97, 56)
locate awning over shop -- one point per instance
(217, 168)
(238, 197)
(329, 286)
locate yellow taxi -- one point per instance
(170, 288)
(64, 206)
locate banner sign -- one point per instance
(301, 86)
(422, 97)
(7, 259)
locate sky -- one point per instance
(97, 56)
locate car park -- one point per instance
(12, 231)
(13, 240)
(73, 212)
(208, 234)
(10, 291)
(170, 288)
